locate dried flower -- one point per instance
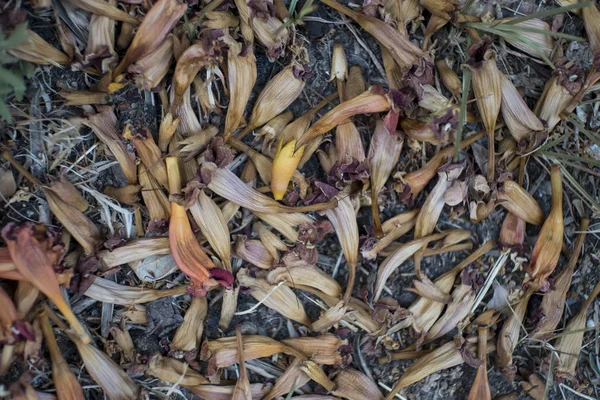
(271, 131)
(38, 51)
(254, 252)
(436, 130)
(449, 78)
(434, 204)
(212, 223)
(270, 240)
(519, 119)
(223, 352)
(32, 261)
(509, 335)
(553, 302)
(100, 50)
(393, 229)
(343, 219)
(546, 251)
(148, 151)
(134, 250)
(314, 372)
(512, 233)
(155, 27)
(127, 194)
(414, 182)
(277, 95)
(68, 193)
(220, 20)
(481, 387)
(559, 91)
(155, 200)
(463, 298)
(534, 387)
(279, 298)
(123, 339)
(115, 383)
(81, 227)
(106, 9)
(427, 311)
(354, 385)
(306, 275)
(291, 378)
(355, 84)
(67, 386)
(446, 356)
(384, 152)
(339, 64)
(322, 349)
(242, 389)
(104, 125)
(191, 146)
(394, 260)
(285, 224)
(241, 73)
(285, 163)
(569, 344)
(228, 307)
(170, 370)
(267, 28)
(107, 291)
(81, 97)
(412, 60)
(487, 86)
(151, 68)
(187, 252)
(535, 37)
(227, 185)
(188, 335)
(371, 101)
(518, 201)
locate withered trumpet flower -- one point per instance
(187, 252)
(32, 261)
(487, 86)
(546, 251)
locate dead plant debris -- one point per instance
(268, 199)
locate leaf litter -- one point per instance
(225, 200)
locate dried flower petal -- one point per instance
(33, 263)
(104, 125)
(546, 251)
(553, 302)
(155, 27)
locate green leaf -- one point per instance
(17, 36)
(10, 78)
(4, 113)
